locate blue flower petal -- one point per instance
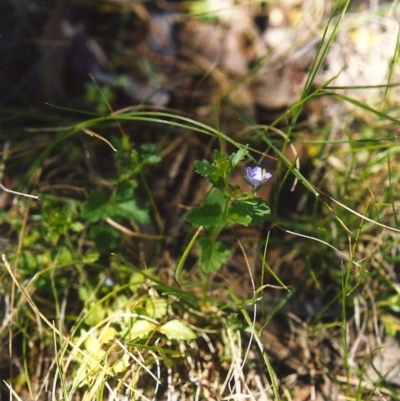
(256, 176)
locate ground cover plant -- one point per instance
(199, 201)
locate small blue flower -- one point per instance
(256, 176)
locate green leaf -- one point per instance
(214, 173)
(95, 207)
(215, 196)
(131, 209)
(90, 257)
(136, 281)
(213, 254)
(121, 365)
(177, 330)
(210, 213)
(105, 237)
(217, 180)
(238, 214)
(122, 203)
(124, 191)
(62, 255)
(120, 302)
(204, 168)
(390, 324)
(223, 164)
(77, 226)
(254, 209)
(156, 307)
(148, 154)
(236, 157)
(140, 329)
(84, 293)
(106, 335)
(95, 314)
(28, 262)
(207, 215)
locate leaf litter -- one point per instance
(250, 62)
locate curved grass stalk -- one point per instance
(185, 255)
(363, 217)
(323, 242)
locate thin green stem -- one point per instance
(185, 255)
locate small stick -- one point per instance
(17, 193)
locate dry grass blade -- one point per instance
(91, 133)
